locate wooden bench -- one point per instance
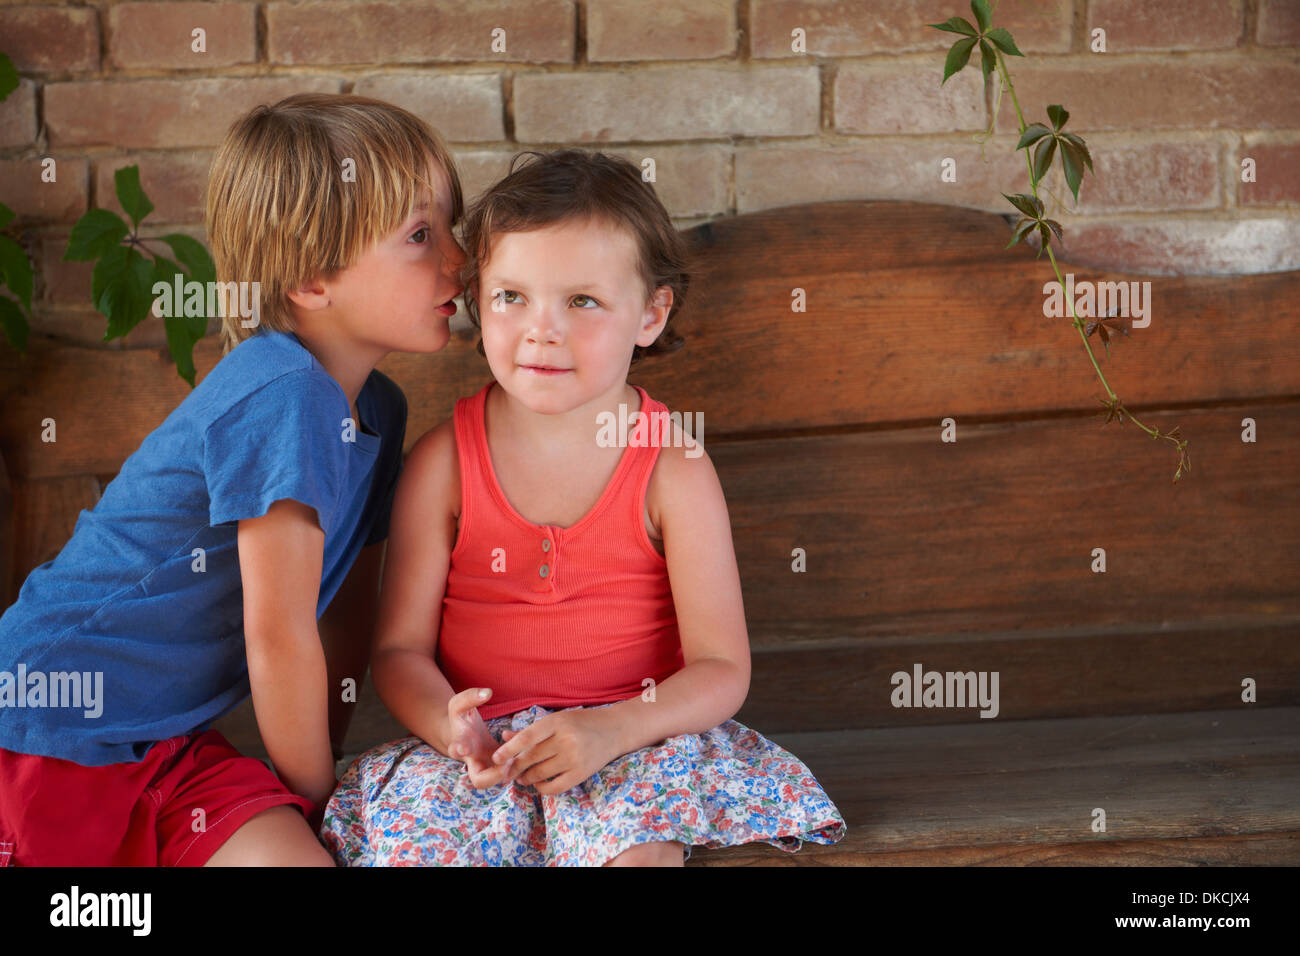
(1119, 690)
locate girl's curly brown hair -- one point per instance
(574, 184)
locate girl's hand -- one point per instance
(472, 742)
(559, 750)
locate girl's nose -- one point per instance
(544, 331)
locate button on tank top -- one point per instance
(560, 617)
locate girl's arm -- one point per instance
(347, 631)
(421, 536)
(714, 682)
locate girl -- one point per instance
(561, 625)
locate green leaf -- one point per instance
(1029, 205)
(955, 25)
(193, 256)
(16, 270)
(1058, 115)
(1032, 134)
(958, 56)
(1043, 158)
(165, 270)
(1056, 228)
(96, 234)
(1024, 226)
(181, 344)
(8, 76)
(121, 286)
(1082, 147)
(14, 323)
(988, 58)
(1073, 171)
(1003, 40)
(982, 16)
(134, 202)
(6, 215)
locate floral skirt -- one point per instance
(405, 804)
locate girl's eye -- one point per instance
(417, 232)
(587, 297)
(505, 295)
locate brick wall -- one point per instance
(710, 89)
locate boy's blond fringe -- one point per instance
(278, 210)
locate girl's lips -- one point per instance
(544, 371)
(449, 309)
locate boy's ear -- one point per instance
(311, 295)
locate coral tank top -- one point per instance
(561, 617)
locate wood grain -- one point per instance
(45, 512)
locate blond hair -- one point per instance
(279, 212)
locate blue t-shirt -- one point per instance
(125, 617)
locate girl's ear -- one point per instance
(656, 316)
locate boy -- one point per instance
(201, 574)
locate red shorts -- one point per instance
(58, 813)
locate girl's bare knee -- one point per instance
(278, 836)
(653, 853)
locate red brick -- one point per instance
(1278, 23)
(907, 98)
(853, 28)
(1175, 94)
(63, 200)
(1184, 246)
(1152, 174)
(1166, 24)
(50, 39)
(162, 113)
(462, 107)
(1277, 174)
(690, 180)
(480, 168)
(767, 177)
(160, 35)
(659, 104)
(18, 116)
(666, 30)
(1184, 176)
(317, 34)
(66, 283)
(174, 182)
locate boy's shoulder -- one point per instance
(387, 394)
(272, 365)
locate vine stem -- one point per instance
(1056, 268)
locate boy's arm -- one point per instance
(421, 536)
(705, 582)
(280, 559)
(347, 628)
